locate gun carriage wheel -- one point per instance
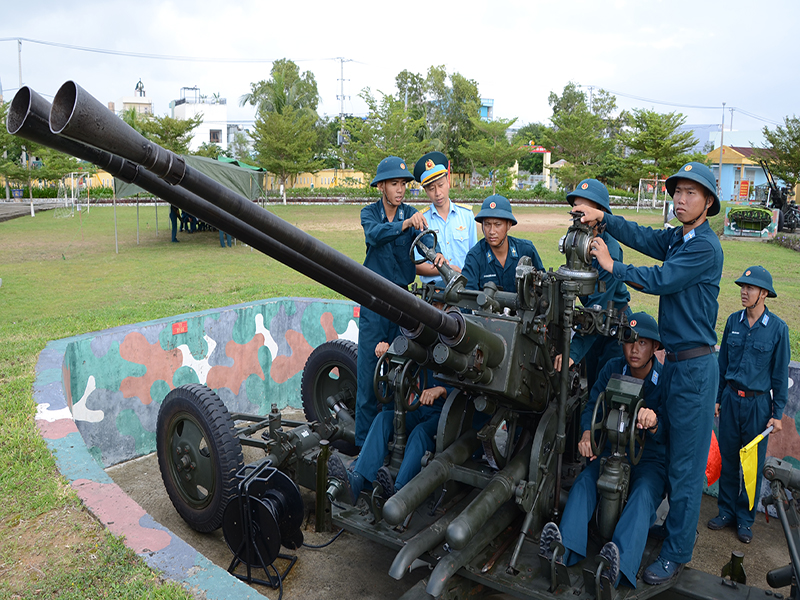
(330, 371)
(198, 454)
(636, 443)
(597, 433)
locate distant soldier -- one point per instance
(454, 225)
(753, 388)
(390, 227)
(494, 259)
(688, 285)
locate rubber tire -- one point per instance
(780, 220)
(342, 354)
(197, 407)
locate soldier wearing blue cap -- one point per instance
(494, 259)
(648, 477)
(597, 350)
(454, 225)
(390, 227)
(753, 361)
(688, 285)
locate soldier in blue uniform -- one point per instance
(753, 361)
(688, 285)
(597, 350)
(421, 425)
(454, 225)
(390, 227)
(494, 259)
(648, 477)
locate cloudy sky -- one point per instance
(672, 55)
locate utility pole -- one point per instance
(341, 97)
(721, 139)
(731, 109)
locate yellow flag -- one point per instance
(749, 457)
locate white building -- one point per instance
(214, 128)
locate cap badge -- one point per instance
(747, 273)
(492, 205)
(633, 323)
(428, 164)
(584, 186)
(402, 165)
(687, 168)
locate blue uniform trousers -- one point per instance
(647, 486)
(691, 391)
(421, 426)
(173, 217)
(740, 420)
(224, 236)
(372, 328)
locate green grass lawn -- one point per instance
(62, 277)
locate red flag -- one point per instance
(714, 464)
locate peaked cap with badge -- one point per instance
(431, 167)
(391, 167)
(759, 277)
(699, 173)
(593, 190)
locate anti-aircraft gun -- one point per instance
(780, 197)
(495, 347)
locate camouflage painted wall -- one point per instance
(252, 355)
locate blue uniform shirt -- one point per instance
(616, 291)
(388, 244)
(481, 266)
(687, 281)
(652, 394)
(455, 236)
(756, 358)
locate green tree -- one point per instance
(11, 152)
(211, 151)
(172, 134)
(135, 119)
(240, 147)
(783, 150)
(492, 154)
(531, 134)
(578, 136)
(388, 130)
(285, 142)
(654, 143)
(453, 102)
(285, 87)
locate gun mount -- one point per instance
(496, 349)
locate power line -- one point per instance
(678, 105)
(155, 56)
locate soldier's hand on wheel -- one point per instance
(647, 419)
(600, 252)
(585, 446)
(381, 349)
(439, 260)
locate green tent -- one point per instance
(239, 177)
